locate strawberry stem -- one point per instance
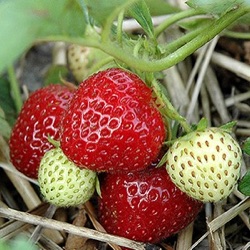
(119, 28)
(98, 187)
(167, 109)
(175, 18)
(53, 142)
(192, 43)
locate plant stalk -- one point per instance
(154, 65)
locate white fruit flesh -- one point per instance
(205, 165)
(62, 183)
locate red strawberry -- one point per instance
(144, 206)
(112, 123)
(40, 116)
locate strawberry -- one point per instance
(81, 59)
(40, 116)
(112, 123)
(205, 164)
(62, 183)
(144, 206)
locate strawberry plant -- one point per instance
(127, 100)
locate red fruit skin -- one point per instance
(144, 206)
(40, 116)
(112, 123)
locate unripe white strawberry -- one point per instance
(62, 183)
(205, 164)
(82, 59)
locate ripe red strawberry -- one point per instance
(112, 123)
(144, 206)
(40, 116)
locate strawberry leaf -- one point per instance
(140, 12)
(7, 103)
(228, 127)
(20, 243)
(55, 73)
(3, 245)
(202, 125)
(246, 146)
(213, 7)
(100, 10)
(160, 7)
(4, 125)
(244, 185)
(162, 161)
(27, 20)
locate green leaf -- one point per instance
(228, 127)
(3, 245)
(246, 146)
(192, 24)
(213, 6)
(140, 12)
(6, 102)
(22, 243)
(244, 185)
(24, 21)
(55, 73)
(160, 7)
(100, 10)
(162, 161)
(202, 125)
(5, 129)
(18, 30)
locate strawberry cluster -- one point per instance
(111, 127)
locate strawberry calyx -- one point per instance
(54, 142)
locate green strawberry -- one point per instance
(205, 164)
(62, 183)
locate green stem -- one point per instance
(238, 35)
(111, 18)
(15, 89)
(207, 34)
(180, 54)
(167, 109)
(119, 27)
(101, 64)
(175, 18)
(174, 45)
